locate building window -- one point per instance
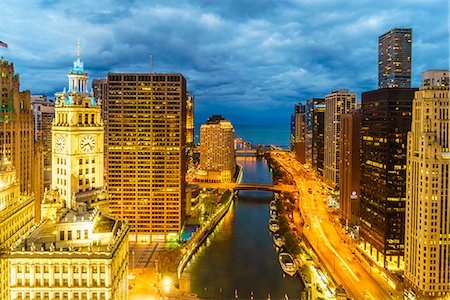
(93, 169)
(80, 172)
(81, 161)
(61, 235)
(86, 234)
(69, 234)
(78, 234)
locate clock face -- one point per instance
(60, 143)
(87, 143)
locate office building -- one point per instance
(146, 153)
(427, 231)
(44, 113)
(311, 104)
(386, 120)
(318, 138)
(435, 78)
(16, 218)
(217, 157)
(298, 132)
(337, 103)
(394, 58)
(349, 171)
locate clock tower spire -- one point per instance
(77, 136)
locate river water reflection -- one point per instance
(240, 258)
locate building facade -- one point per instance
(217, 156)
(427, 231)
(349, 191)
(298, 132)
(337, 103)
(44, 113)
(311, 104)
(16, 218)
(73, 254)
(386, 120)
(190, 121)
(318, 138)
(18, 135)
(100, 91)
(146, 152)
(394, 58)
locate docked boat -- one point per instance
(287, 263)
(278, 240)
(273, 205)
(273, 214)
(273, 225)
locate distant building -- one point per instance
(146, 158)
(298, 132)
(349, 191)
(386, 120)
(318, 138)
(190, 121)
(16, 218)
(435, 78)
(394, 58)
(337, 103)
(427, 229)
(44, 113)
(217, 157)
(311, 104)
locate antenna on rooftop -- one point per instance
(151, 63)
(78, 48)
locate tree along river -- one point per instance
(239, 258)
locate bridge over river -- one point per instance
(248, 186)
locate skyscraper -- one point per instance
(311, 104)
(190, 121)
(298, 132)
(217, 157)
(349, 171)
(386, 120)
(427, 232)
(146, 152)
(394, 58)
(337, 103)
(19, 132)
(100, 91)
(318, 138)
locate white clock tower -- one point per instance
(77, 137)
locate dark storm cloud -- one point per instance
(248, 60)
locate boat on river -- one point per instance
(273, 205)
(273, 225)
(278, 240)
(273, 214)
(287, 263)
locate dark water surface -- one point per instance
(240, 256)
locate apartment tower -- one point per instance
(298, 132)
(318, 138)
(311, 104)
(394, 58)
(337, 103)
(217, 157)
(350, 167)
(146, 152)
(427, 232)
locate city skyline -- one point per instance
(213, 45)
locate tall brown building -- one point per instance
(349, 167)
(18, 130)
(318, 138)
(146, 152)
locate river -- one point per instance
(239, 258)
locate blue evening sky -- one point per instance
(249, 60)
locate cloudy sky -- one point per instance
(249, 60)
